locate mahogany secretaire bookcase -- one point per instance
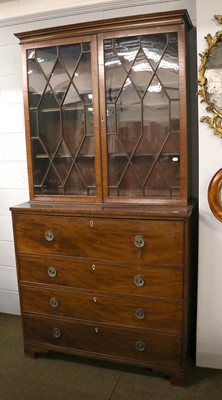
(104, 247)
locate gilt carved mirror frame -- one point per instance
(210, 80)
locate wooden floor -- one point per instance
(58, 377)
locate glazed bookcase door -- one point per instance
(143, 130)
(62, 120)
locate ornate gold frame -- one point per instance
(215, 122)
(215, 195)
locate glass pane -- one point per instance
(37, 83)
(52, 184)
(69, 56)
(172, 144)
(154, 47)
(73, 128)
(156, 114)
(142, 107)
(163, 179)
(71, 97)
(59, 81)
(40, 160)
(117, 166)
(83, 78)
(111, 118)
(33, 123)
(49, 101)
(85, 167)
(130, 185)
(141, 73)
(75, 184)
(46, 57)
(86, 46)
(175, 116)
(126, 49)
(31, 53)
(115, 76)
(62, 119)
(89, 120)
(143, 165)
(168, 71)
(87, 148)
(63, 161)
(129, 129)
(49, 130)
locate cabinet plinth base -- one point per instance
(176, 377)
(29, 354)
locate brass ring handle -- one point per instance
(140, 345)
(52, 272)
(54, 302)
(49, 236)
(139, 280)
(140, 313)
(56, 333)
(139, 241)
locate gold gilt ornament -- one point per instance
(210, 80)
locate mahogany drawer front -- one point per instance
(102, 238)
(119, 310)
(141, 346)
(163, 282)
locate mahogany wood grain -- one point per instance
(119, 310)
(106, 340)
(165, 282)
(101, 238)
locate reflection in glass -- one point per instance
(126, 50)
(141, 73)
(69, 56)
(89, 123)
(59, 81)
(36, 82)
(46, 58)
(168, 71)
(142, 107)
(115, 76)
(83, 78)
(154, 47)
